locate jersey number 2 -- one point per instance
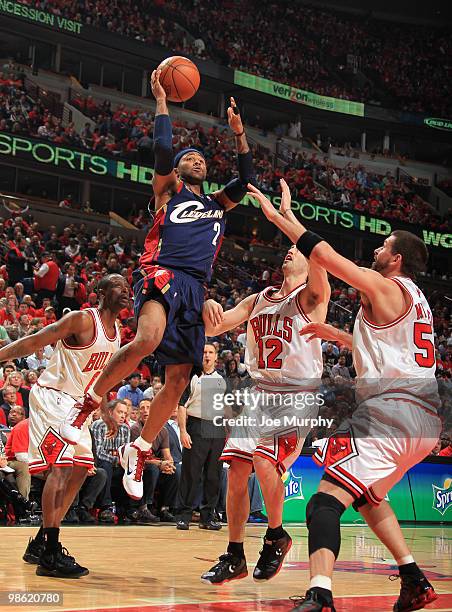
(273, 363)
(217, 230)
(426, 359)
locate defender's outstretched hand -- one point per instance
(286, 198)
(234, 119)
(157, 88)
(267, 207)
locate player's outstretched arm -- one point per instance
(320, 252)
(323, 331)
(74, 323)
(317, 294)
(236, 189)
(165, 179)
(230, 318)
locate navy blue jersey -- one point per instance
(186, 235)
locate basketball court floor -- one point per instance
(157, 568)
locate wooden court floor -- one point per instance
(157, 568)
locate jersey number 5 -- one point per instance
(273, 363)
(426, 359)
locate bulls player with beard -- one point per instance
(286, 372)
(180, 250)
(85, 342)
(395, 424)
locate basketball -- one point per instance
(179, 78)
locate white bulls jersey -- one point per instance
(398, 359)
(277, 357)
(73, 369)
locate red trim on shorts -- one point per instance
(234, 458)
(274, 300)
(81, 348)
(317, 459)
(356, 491)
(402, 316)
(38, 466)
(374, 499)
(84, 462)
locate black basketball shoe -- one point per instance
(33, 552)
(415, 593)
(228, 568)
(271, 557)
(312, 602)
(59, 564)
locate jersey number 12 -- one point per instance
(272, 362)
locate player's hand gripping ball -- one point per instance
(179, 78)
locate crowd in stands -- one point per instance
(406, 65)
(126, 132)
(44, 273)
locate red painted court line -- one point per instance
(377, 603)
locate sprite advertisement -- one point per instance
(423, 494)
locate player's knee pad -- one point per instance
(323, 516)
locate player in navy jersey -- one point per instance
(169, 285)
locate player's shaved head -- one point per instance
(106, 282)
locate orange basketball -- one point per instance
(179, 78)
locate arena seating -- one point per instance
(406, 66)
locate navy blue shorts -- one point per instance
(183, 298)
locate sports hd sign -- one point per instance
(50, 155)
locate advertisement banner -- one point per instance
(15, 9)
(44, 153)
(347, 219)
(300, 96)
(302, 481)
(431, 487)
(63, 158)
(439, 124)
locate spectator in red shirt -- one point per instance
(17, 452)
(126, 313)
(92, 302)
(129, 331)
(8, 314)
(49, 316)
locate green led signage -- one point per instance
(70, 159)
(345, 219)
(15, 9)
(300, 96)
(439, 124)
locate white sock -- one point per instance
(405, 560)
(320, 581)
(93, 394)
(142, 444)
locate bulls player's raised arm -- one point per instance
(320, 252)
(231, 318)
(233, 193)
(318, 290)
(75, 323)
(165, 178)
